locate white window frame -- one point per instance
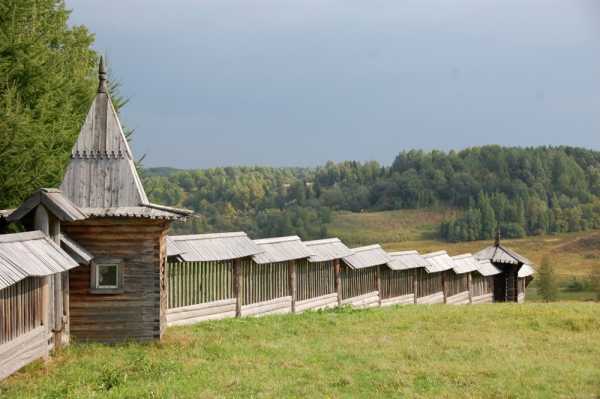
(95, 288)
(107, 287)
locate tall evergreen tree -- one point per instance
(47, 81)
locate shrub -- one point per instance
(548, 283)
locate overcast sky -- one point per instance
(297, 83)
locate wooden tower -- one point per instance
(121, 294)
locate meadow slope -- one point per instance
(497, 351)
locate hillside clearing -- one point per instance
(387, 226)
(502, 350)
(573, 254)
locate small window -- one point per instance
(107, 276)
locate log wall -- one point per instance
(138, 312)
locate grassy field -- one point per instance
(390, 226)
(485, 351)
(574, 254)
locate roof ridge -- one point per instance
(274, 240)
(23, 236)
(436, 253)
(366, 248)
(321, 241)
(408, 252)
(462, 256)
(207, 236)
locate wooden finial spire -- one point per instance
(497, 242)
(101, 76)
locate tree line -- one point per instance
(48, 79)
(523, 191)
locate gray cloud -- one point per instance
(285, 82)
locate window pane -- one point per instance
(107, 275)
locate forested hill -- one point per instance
(526, 191)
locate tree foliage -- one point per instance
(524, 191)
(46, 86)
(547, 280)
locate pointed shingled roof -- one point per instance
(102, 173)
(101, 178)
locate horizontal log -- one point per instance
(363, 301)
(486, 298)
(199, 311)
(199, 319)
(22, 351)
(273, 306)
(437, 297)
(322, 302)
(399, 300)
(462, 298)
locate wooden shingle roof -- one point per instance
(101, 178)
(327, 249)
(30, 254)
(211, 247)
(368, 256)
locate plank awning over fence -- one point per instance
(368, 256)
(30, 254)
(327, 250)
(486, 268)
(465, 263)
(281, 249)
(525, 271)
(406, 260)
(438, 262)
(212, 247)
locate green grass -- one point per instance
(485, 351)
(389, 226)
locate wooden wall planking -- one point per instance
(139, 311)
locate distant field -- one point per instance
(573, 254)
(481, 351)
(389, 226)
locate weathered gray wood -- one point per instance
(206, 311)
(487, 298)
(292, 282)
(434, 298)
(237, 287)
(399, 300)
(273, 306)
(322, 302)
(23, 350)
(139, 312)
(458, 299)
(338, 280)
(370, 299)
